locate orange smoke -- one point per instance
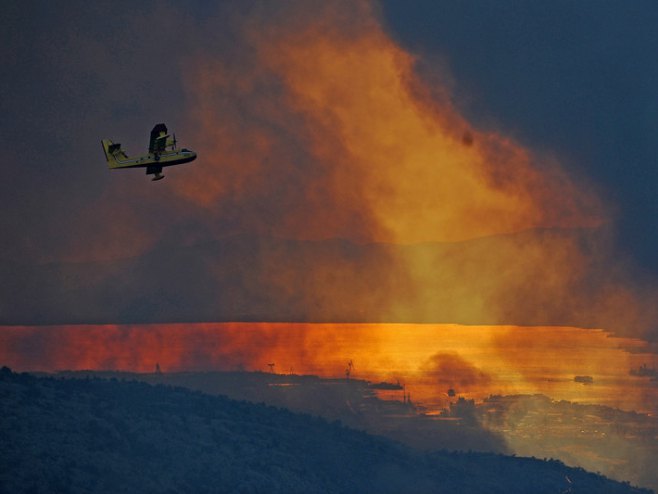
(176, 347)
(326, 120)
(317, 126)
(450, 370)
(312, 123)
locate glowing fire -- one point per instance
(475, 360)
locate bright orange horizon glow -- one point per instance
(429, 358)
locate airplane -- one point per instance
(162, 152)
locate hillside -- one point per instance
(94, 435)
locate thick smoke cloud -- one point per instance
(324, 130)
(450, 370)
(311, 124)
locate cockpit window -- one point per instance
(185, 150)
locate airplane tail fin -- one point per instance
(113, 152)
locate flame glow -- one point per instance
(476, 360)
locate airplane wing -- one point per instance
(158, 140)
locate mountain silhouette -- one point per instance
(95, 435)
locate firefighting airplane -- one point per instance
(162, 152)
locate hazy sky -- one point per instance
(577, 79)
(555, 104)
